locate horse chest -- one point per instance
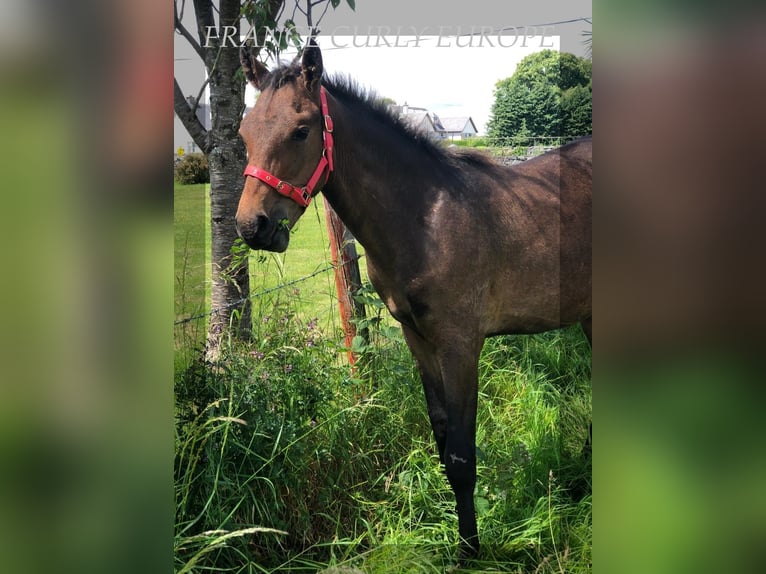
(398, 296)
(397, 303)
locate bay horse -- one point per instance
(458, 247)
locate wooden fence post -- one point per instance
(347, 276)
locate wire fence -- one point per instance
(507, 155)
(265, 292)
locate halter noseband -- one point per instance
(302, 195)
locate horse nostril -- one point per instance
(249, 230)
(261, 222)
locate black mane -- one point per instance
(353, 94)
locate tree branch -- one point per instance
(275, 11)
(189, 118)
(309, 19)
(185, 33)
(203, 10)
(201, 92)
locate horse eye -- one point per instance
(300, 134)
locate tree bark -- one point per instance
(230, 287)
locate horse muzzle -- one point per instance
(263, 232)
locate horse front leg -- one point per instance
(450, 383)
(449, 374)
(430, 377)
(459, 368)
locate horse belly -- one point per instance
(537, 299)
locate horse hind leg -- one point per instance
(587, 327)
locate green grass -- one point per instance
(191, 269)
(308, 253)
(282, 436)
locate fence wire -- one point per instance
(265, 292)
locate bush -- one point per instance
(258, 435)
(192, 168)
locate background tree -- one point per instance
(218, 49)
(548, 95)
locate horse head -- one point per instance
(288, 136)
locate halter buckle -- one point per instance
(328, 123)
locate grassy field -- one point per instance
(288, 461)
(309, 252)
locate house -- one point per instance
(422, 121)
(437, 128)
(459, 128)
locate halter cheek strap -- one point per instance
(302, 195)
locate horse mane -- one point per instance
(354, 94)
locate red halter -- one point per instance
(302, 195)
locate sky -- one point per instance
(446, 75)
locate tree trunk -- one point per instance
(230, 288)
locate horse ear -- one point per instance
(311, 65)
(254, 70)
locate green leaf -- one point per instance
(481, 504)
(335, 3)
(391, 332)
(352, 4)
(358, 344)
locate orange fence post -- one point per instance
(347, 275)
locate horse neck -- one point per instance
(381, 180)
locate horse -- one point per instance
(458, 247)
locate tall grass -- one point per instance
(286, 461)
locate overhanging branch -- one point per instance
(178, 25)
(189, 118)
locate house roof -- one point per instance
(458, 125)
(420, 120)
(423, 119)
